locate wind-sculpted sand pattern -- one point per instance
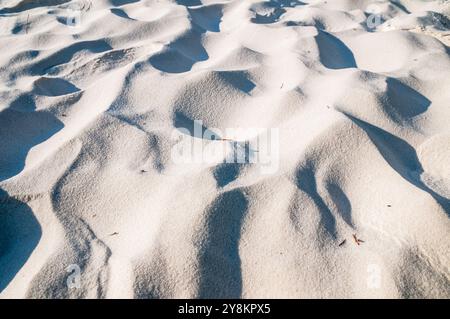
(92, 204)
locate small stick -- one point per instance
(357, 241)
(343, 242)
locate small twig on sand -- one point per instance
(357, 240)
(342, 243)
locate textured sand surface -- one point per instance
(87, 177)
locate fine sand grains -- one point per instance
(350, 197)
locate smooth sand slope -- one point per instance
(358, 91)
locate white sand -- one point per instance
(88, 183)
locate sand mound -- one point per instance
(350, 199)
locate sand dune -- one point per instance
(96, 95)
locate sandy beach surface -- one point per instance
(225, 149)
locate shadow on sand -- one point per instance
(20, 233)
(220, 263)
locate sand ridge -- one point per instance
(88, 184)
